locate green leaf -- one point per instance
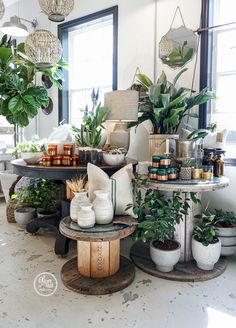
(15, 104)
(144, 81)
(179, 75)
(5, 55)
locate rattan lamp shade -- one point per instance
(122, 105)
(2, 9)
(43, 48)
(57, 10)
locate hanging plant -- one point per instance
(20, 98)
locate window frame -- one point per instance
(63, 31)
(206, 64)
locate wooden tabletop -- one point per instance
(99, 232)
(61, 172)
(190, 185)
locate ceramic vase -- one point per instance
(103, 207)
(206, 256)
(86, 216)
(80, 197)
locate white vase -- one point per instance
(103, 207)
(86, 216)
(80, 197)
(206, 256)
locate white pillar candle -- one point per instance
(167, 146)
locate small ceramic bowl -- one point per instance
(32, 158)
(113, 159)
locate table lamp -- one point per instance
(123, 108)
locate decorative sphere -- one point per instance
(57, 10)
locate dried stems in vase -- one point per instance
(78, 184)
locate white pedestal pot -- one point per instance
(86, 216)
(80, 197)
(164, 259)
(103, 207)
(206, 256)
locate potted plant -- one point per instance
(30, 151)
(41, 194)
(89, 136)
(20, 98)
(166, 106)
(206, 246)
(225, 223)
(157, 218)
(114, 156)
(186, 169)
(24, 211)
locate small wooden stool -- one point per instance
(98, 257)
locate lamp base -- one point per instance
(120, 137)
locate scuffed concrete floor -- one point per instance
(148, 302)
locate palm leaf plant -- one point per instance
(167, 104)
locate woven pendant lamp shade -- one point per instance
(43, 48)
(122, 105)
(2, 9)
(57, 10)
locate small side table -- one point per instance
(99, 269)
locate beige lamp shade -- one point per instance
(122, 105)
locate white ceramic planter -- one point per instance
(227, 235)
(86, 216)
(24, 215)
(103, 207)
(32, 158)
(113, 159)
(206, 256)
(80, 197)
(164, 259)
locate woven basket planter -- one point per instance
(186, 173)
(10, 208)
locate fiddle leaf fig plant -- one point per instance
(167, 104)
(20, 97)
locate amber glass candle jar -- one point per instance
(57, 160)
(47, 161)
(66, 160)
(52, 150)
(68, 150)
(75, 160)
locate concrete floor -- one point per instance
(148, 302)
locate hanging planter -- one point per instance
(2, 9)
(57, 10)
(43, 48)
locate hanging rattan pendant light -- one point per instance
(2, 9)
(57, 10)
(43, 48)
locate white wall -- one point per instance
(135, 48)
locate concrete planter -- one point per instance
(24, 215)
(206, 256)
(227, 235)
(164, 259)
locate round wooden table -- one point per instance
(186, 269)
(59, 173)
(99, 268)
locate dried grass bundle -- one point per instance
(78, 184)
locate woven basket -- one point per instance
(10, 208)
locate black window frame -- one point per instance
(206, 63)
(63, 30)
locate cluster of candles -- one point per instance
(54, 159)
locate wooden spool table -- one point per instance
(186, 269)
(98, 257)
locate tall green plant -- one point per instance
(90, 132)
(166, 104)
(20, 98)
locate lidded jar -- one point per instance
(103, 207)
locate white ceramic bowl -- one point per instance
(113, 159)
(32, 158)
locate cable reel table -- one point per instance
(99, 268)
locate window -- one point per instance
(6, 134)
(90, 47)
(221, 67)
